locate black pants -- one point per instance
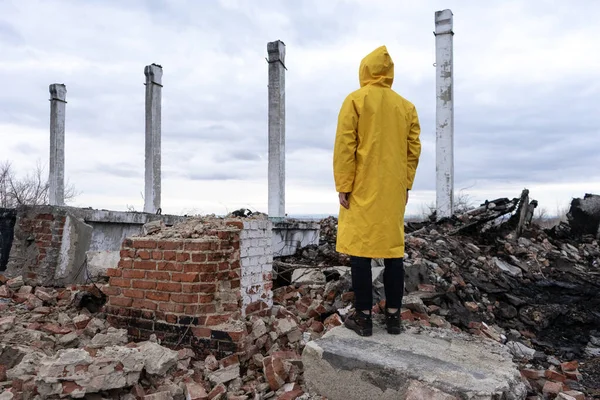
(393, 282)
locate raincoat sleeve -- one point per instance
(414, 148)
(346, 142)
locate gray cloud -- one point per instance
(524, 94)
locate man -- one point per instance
(376, 153)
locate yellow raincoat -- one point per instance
(376, 153)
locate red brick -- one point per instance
(182, 257)
(427, 288)
(170, 307)
(120, 282)
(168, 287)
(230, 307)
(144, 244)
(213, 320)
(158, 296)
(575, 394)
(169, 266)
(206, 309)
(552, 388)
(184, 298)
(235, 264)
(183, 277)
(200, 268)
(235, 284)
(569, 366)
(197, 246)
(208, 278)
(236, 224)
(127, 253)
(199, 288)
(121, 301)
(555, 376)
(169, 255)
(144, 305)
(147, 265)
(291, 395)
(157, 255)
(201, 332)
(169, 245)
(223, 266)
(533, 374)
(45, 217)
(216, 256)
(158, 275)
(206, 298)
(133, 293)
(198, 257)
(170, 318)
(114, 272)
(2, 373)
(143, 254)
(137, 284)
(133, 273)
(111, 291)
(125, 264)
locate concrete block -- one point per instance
(76, 239)
(99, 261)
(345, 366)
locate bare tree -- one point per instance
(31, 189)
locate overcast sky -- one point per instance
(527, 90)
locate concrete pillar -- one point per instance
(276, 51)
(56, 180)
(444, 83)
(153, 130)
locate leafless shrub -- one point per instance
(31, 189)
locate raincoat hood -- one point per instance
(377, 68)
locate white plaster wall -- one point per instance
(256, 261)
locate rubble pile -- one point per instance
(53, 346)
(536, 293)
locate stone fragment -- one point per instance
(159, 396)
(471, 306)
(7, 323)
(332, 321)
(157, 359)
(575, 394)
(69, 340)
(224, 375)
(81, 321)
(554, 376)
(414, 303)
(418, 391)
(552, 388)
(94, 326)
(283, 326)
(520, 350)
(15, 283)
(26, 367)
(112, 337)
(218, 390)
(211, 363)
(258, 328)
(46, 295)
(54, 329)
(5, 292)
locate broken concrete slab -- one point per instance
(344, 366)
(76, 239)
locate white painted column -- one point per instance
(153, 131)
(56, 180)
(276, 51)
(444, 114)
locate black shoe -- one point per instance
(360, 323)
(392, 322)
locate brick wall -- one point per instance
(36, 244)
(193, 291)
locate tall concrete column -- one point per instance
(276, 51)
(56, 180)
(444, 83)
(153, 74)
